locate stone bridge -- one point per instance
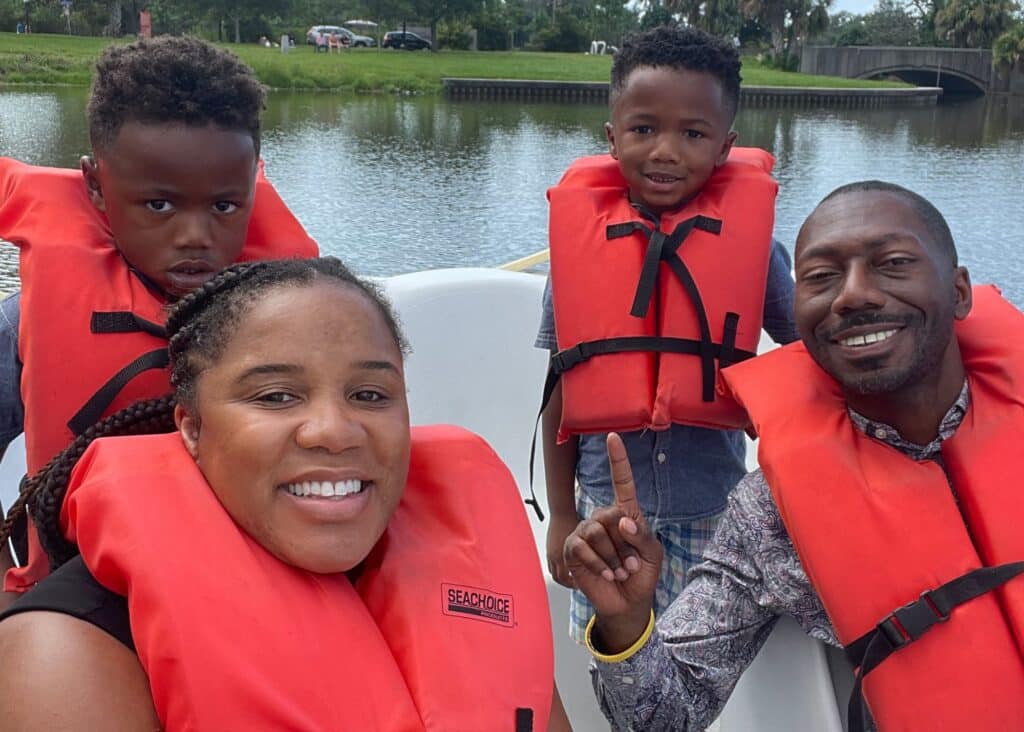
(956, 70)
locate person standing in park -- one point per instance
(663, 269)
(886, 514)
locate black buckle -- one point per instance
(908, 623)
(562, 361)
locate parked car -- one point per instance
(404, 39)
(354, 39)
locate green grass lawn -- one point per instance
(57, 59)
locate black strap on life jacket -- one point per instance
(665, 248)
(660, 248)
(524, 719)
(118, 322)
(906, 624)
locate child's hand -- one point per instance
(615, 560)
(558, 531)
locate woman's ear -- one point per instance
(188, 428)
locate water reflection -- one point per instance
(395, 184)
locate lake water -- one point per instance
(397, 184)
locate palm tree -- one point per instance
(1009, 47)
(773, 14)
(974, 23)
(806, 19)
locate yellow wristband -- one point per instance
(622, 655)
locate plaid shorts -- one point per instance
(684, 544)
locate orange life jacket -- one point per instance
(91, 333)
(645, 316)
(446, 628)
(875, 529)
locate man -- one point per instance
(884, 445)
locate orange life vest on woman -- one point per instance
(86, 318)
(645, 316)
(875, 529)
(446, 627)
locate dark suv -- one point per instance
(404, 39)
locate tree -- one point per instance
(790, 21)
(722, 18)
(1009, 47)
(889, 24)
(926, 10)
(974, 23)
(432, 12)
(689, 10)
(656, 15)
(771, 13)
(114, 23)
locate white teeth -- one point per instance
(867, 338)
(325, 489)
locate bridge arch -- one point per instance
(952, 81)
(957, 70)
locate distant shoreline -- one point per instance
(42, 59)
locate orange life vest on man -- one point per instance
(445, 628)
(875, 529)
(645, 316)
(91, 334)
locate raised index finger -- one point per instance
(622, 477)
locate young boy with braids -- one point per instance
(172, 192)
(663, 270)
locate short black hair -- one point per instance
(686, 49)
(173, 80)
(930, 216)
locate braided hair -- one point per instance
(199, 326)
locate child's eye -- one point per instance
(225, 207)
(695, 134)
(159, 205)
(643, 129)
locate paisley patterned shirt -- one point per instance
(751, 575)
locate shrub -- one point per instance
(454, 34)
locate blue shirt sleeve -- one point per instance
(546, 332)
(778, 297)
(12, 411)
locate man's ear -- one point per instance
(609, 132)
(188, 428)
(90, 174)
(962, 292)
(723, 154)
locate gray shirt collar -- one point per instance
(888, 434)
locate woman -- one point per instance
(292, 555)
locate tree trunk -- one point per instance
(434, 44)
(777, 21)
(238, 35)
(114, 19)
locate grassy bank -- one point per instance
(56, 59)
